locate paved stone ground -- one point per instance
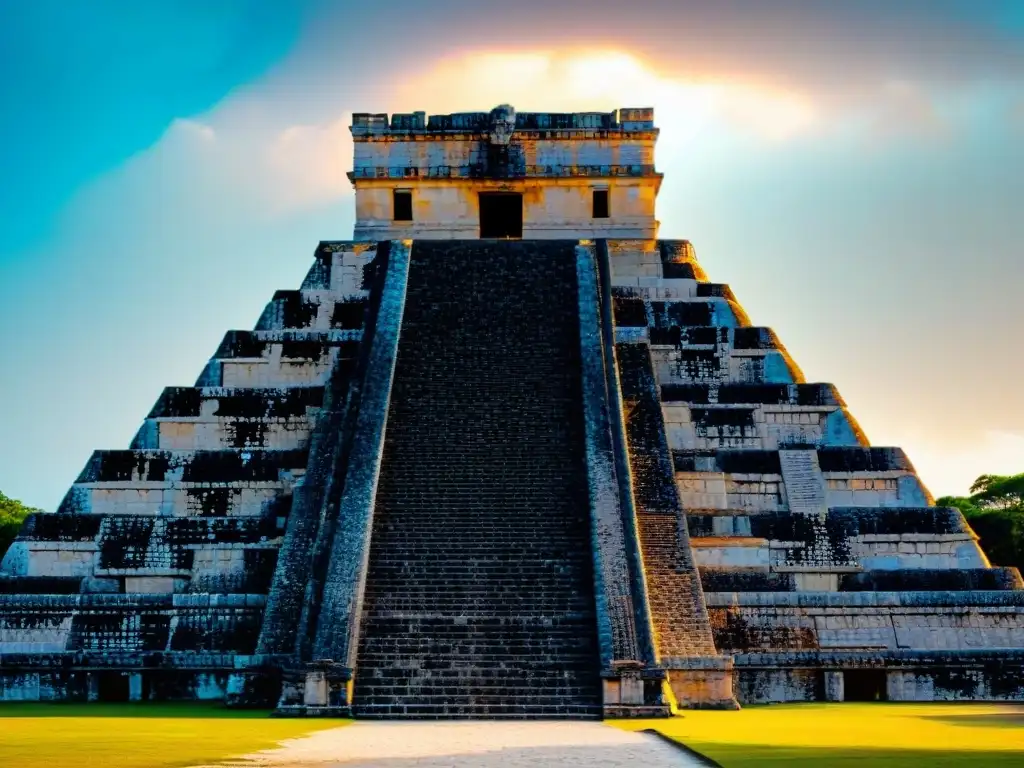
(476, 744)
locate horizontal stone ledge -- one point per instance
(869, 538)
(879, 659)
(934, 580)
(727, 541)
(815, 395)
(865, 524)
(636, 131)
(722, 512)
(481, 171)
(133, 601)
(862, 474)
(86, 661)
(236, 403)
(40, 585)
(295, 343)
(347, 246)
(178, 573)
(331, 336)
(158, 485)
(222, 465)
(749, 477)
(670, 346)
(696, 662)
(817, 568)
(265, 660)
(272, 543)
(295, 421)
(963, 600)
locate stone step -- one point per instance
(476, 697)
(495, 604)
(481, 513)
(633, 311)
(495, 662)
(511, 710)
(220, 466)
(538, 629)
(317, 309)
(441, 619)
(236, 402)
(488, 553)
(481, 538)
(805, 486)
(426, 555)
(343, 267)
(445, 669)
(726, 339)
(476, 590)
(497, 643)
(481, 608)
(423, 572)
(752, 394)
(546, 587)
(289, 345)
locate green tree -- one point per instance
(12, 515)
(995, 510)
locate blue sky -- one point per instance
(855, 171)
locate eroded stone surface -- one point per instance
(759, 545)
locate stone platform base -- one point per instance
(918, 676)
(619, 712)
(634, 692)
(303, 711)
(702, 683)
(60, 683)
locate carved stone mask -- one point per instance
(503, 122)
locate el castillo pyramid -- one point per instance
(504, 454)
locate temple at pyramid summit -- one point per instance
(504, 454)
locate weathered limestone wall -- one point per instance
(752, 622)
(554, 161)
(552, 208)
(169, 547)
(568, 147)
(808, 541)
(119, 624)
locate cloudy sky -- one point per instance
(854, 170)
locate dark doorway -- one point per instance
(864, 685)
(402, 199)
(501, 215)
(112, 686)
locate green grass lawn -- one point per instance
(867, 735)
(138, 735)
(791, 735)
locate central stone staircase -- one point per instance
(479, 599)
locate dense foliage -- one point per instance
(995, 510)
(12, 514)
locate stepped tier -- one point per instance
(788, 509)
(151, 580)
(504, 479)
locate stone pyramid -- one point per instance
(553, 474)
